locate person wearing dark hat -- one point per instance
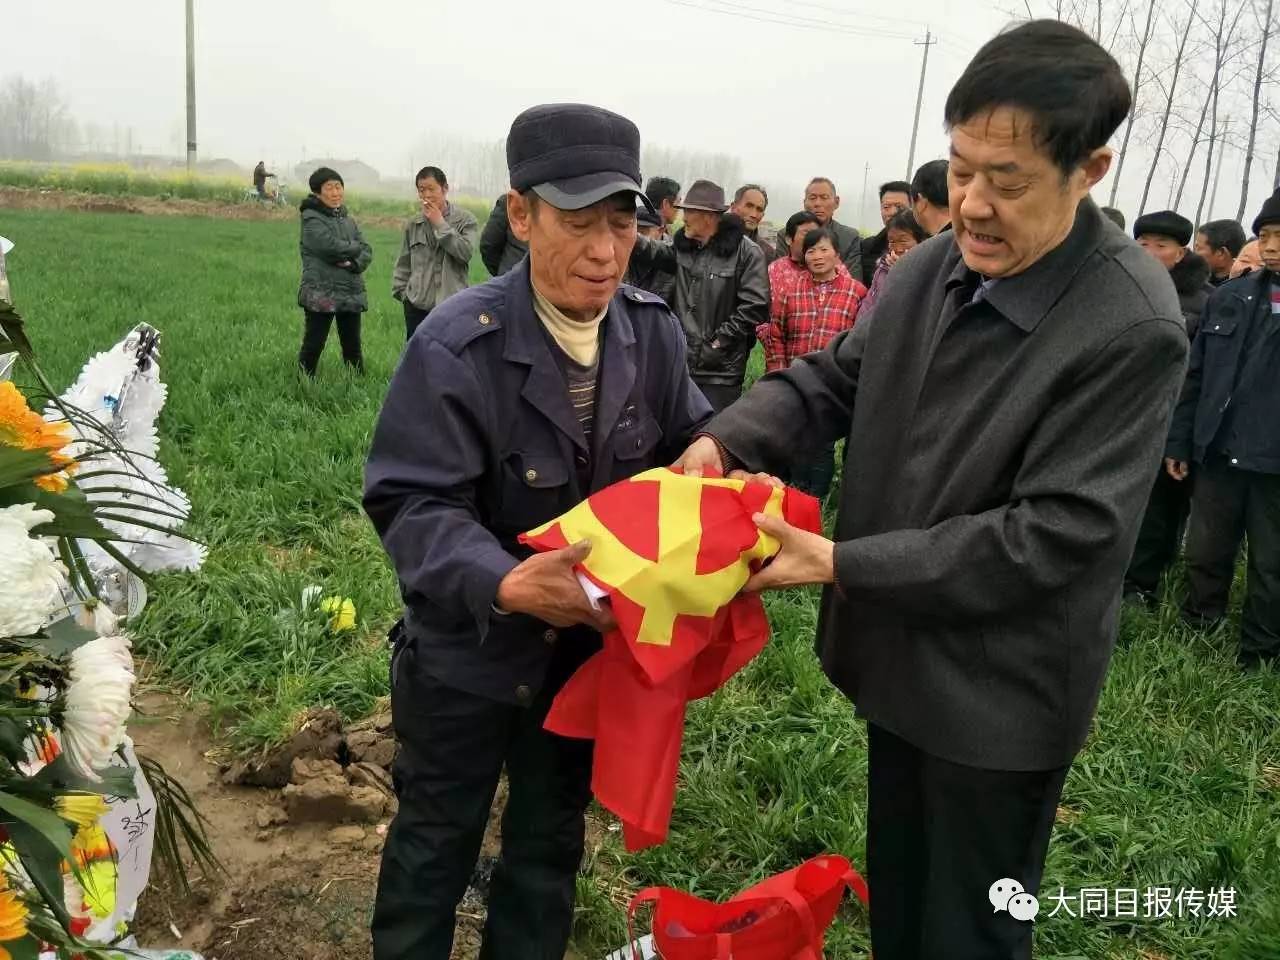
(1220, 242)
(721, 290)
(517, 400)
(652, 277)
(334, 259)
(1224, 436)
(1165, 235)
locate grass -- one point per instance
(121, 180)
(1179, 785)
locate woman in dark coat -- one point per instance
(334, 255)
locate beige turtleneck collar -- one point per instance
(581, 341)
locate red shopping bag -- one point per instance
(783, 918)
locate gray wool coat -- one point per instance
(1000, 452)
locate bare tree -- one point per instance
(1170, 93)
(1138, 80)
(1257, 100)
(1223, 52)
(35, 123)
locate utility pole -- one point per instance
(191, 86)
(866, 172)
(927, 42)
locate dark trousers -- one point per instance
(1160, 535)
(412, 317)
(1229, 505)
(814, 476)
(939, 834)
(316, 332)
(720, 395)
(453, 747)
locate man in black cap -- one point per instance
(519, 399)
(1165, 234)
(1225, 424)
(652, 277)
(721, 290)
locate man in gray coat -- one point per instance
(1004, 408)
(435, 255)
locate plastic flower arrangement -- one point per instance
(66, 669)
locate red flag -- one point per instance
(672, 553)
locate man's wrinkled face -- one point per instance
(820, 199)
(577, 258)
(432, 192)
(701, 225)
(1165, 249)
(1219, 260)
(1010, 203)
(751, 208)
(797, 241)
(1269, 246)
(891, 203)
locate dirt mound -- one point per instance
(296, 886)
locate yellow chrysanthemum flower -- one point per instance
(13, 918)
(343, 612)
(82, 809)
(22, 427)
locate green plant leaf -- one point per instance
(48, 825)
(63, 636)
(63, 778)
(19, 466)
(28, 948)
(12, 736)
(73, 514)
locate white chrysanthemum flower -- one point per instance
(98, 617)
(97, 703)
(31, 578)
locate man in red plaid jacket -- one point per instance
(822, 302)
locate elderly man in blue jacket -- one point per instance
(513, 401)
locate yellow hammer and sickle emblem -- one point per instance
(672, 586)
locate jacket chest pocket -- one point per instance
(633, 443)
(1222, 326)
(535, 489)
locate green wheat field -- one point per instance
(1179, 785)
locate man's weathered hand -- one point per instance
(1178, 469)
(432, 213)
(701, 455)
(545, 586)
(804, 558)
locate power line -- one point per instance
(760, 15)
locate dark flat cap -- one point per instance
(573, 155)
(704, 195)
(1270, 213)
(1165, 223)
(646, 217)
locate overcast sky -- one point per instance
(286, 79)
